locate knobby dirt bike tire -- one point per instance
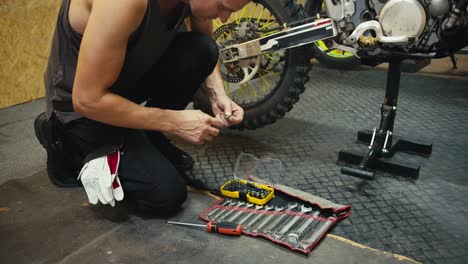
(292, 79)
(335, 59)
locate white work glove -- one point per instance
(100, 179)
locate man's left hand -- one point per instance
(225, 109)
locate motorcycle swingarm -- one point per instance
(290, 37)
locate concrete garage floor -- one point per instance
(421, 219)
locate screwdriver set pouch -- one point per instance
(292, 218)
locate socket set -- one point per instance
(247, 191)
(297, 225)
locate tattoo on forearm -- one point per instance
(211, 92)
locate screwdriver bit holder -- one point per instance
(247, 191)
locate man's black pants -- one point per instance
(147, 176)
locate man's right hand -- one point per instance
(195, 126)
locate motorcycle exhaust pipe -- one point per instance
(398, 54)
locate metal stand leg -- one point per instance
(454, 61)
(382, 143)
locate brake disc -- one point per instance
(229, 34)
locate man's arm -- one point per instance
(100, 62)
(221, 103)
(214, 83)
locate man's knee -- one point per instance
(210, 50)
(175, 197)
(201, 48)
(164, 200)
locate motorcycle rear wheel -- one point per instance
(276, 87)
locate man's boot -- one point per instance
(59, 168)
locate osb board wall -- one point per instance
(26, 28)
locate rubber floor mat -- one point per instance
(424, 218)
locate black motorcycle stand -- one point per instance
(382, 143)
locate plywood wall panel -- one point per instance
(26, 28)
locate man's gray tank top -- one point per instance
(145, 47)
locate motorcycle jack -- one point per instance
(382, 143)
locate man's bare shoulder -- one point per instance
(131, 9)
(138, 6)
(130, 4)
(118, 16)
(134, 6)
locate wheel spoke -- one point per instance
(268, 33)
(242, 92)
(236, 18)
(253, 11)
(243, 12)
(227, 88)
(270, 73)
(261, 15)
(271, 57)
(249, 87)
(268, 23)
